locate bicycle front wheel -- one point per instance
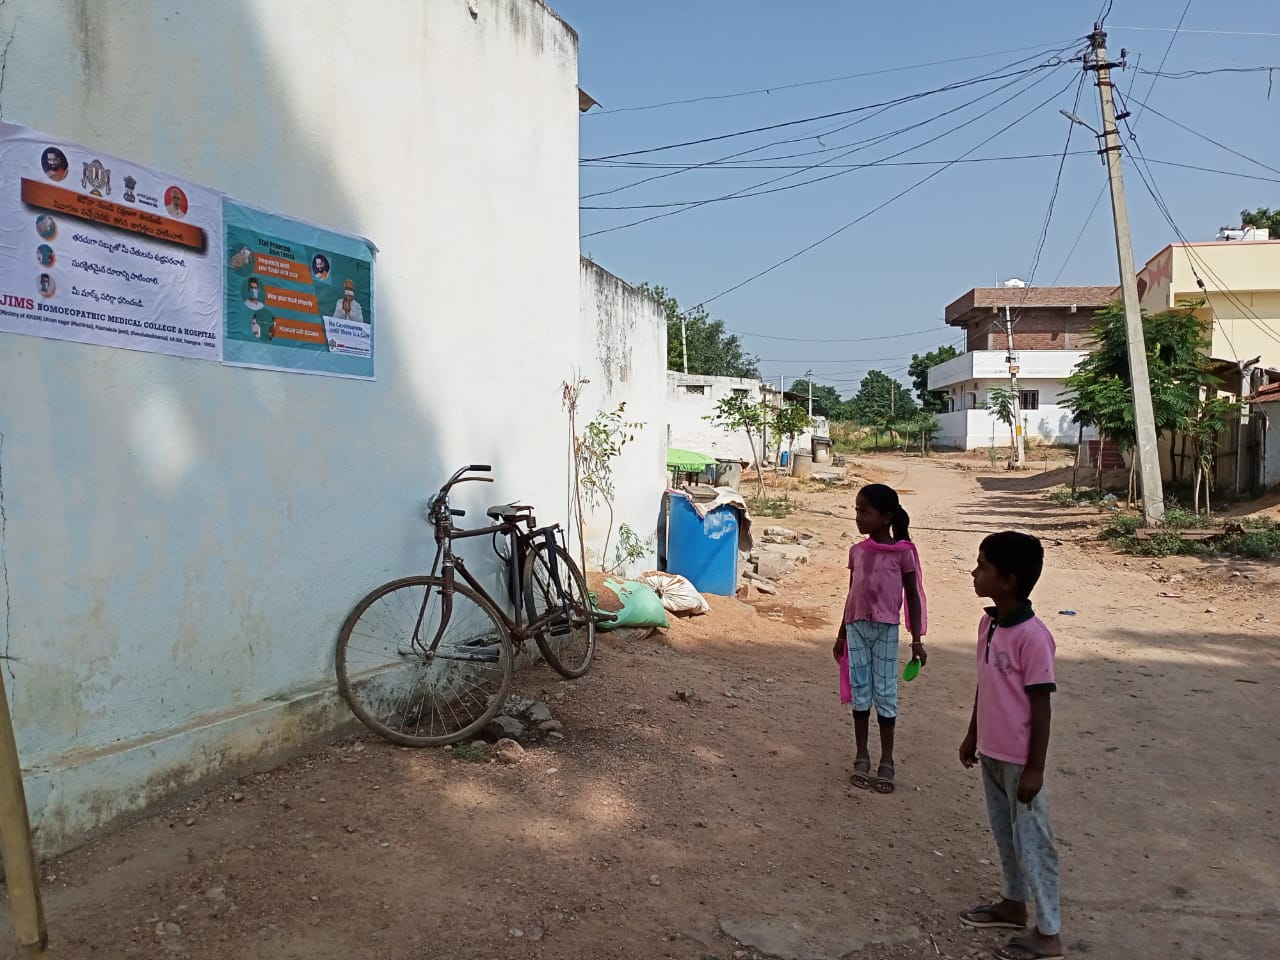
(568, 640)
(409, 694)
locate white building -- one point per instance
(692, 399)
(1050, 336)
(181, 540)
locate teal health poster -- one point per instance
(299, 298)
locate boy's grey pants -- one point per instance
(1024, 838)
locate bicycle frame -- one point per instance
(520, 540)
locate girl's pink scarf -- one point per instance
(846, 688)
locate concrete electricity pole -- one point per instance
(808, 375)
(684, 342)
(1147, 450)
(1019, 451)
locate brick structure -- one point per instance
(1045, 318)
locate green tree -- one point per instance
(826, 399)
(790, 421)
(1262, 217)
(1000, 401)
(751, 417)
(713, 351)
(881, 399)
(932, 401)
(1183, 391)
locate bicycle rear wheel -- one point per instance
(569, 641)
(409, 697)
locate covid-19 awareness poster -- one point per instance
(296, 297)
(104, 251)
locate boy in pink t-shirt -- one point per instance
(1009, 735)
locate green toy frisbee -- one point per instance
(911, 670)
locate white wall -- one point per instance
(687, 409)
(970, 429)
(182, 540)
(629, 331)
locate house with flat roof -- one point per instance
(1050, 334)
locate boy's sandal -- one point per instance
(1016, 949)
(986, 917)
(884, 782)
(862, 773)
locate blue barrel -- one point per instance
(784, 457)
(703, 550)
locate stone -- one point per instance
(772, 567)
(216, 894)
(508, 728)
(655, 881)
(508, 751)
(780, 535)
(789, 551)
(634, 708)
(237, 797)
(538, 713)
(555, 735)
(763, 584)
(550, 726)
(168, 929)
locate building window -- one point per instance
(698, 388)
(740, 392)
(1029, 399)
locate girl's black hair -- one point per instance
(885, 499)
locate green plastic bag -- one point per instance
(641, 606)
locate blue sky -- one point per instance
(894, 272)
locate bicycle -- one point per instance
(443, 668)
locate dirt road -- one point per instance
(725, 826)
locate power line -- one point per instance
(1079, 236)
(744, 191)
(982, 77)
(1056, 62)
(777, 88)
(1203, 136)
(714, 167)
(1163, 60)
(1217, 33)
(1053, 195)
(1225, 173)
(839, 230)
(1148, 181)
(845, 168)
(769, 336)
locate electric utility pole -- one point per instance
(1019, 451)
(684, 342)
(808, 375)
(1147, 451)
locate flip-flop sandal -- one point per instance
(984, 917)
(862, 773)
(884, 784)
(1015, 949)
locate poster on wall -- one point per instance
(103, 251)
(297, 297)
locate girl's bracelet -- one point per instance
(917, 643)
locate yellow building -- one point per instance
(1241, 292)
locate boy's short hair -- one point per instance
(1016, 555)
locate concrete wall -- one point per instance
(180, 540)
(690, 399)
(970, 429)
(629, 331)
(1241, 324)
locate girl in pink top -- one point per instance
(883, 570)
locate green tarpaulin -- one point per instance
(686, 461)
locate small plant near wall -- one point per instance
(593, 451)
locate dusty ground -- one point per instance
(725, 826)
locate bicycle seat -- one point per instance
(508, 511)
